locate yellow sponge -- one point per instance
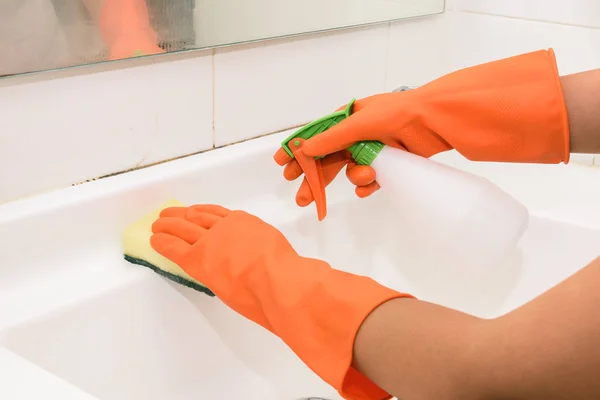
(137, 250)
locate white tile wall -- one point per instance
(480, 38)
(419, 50)
(583, 159)
(61, 131)
(573, 12)
(485, 30)
(267, 87)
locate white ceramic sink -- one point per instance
(71, 305)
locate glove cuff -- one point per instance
(322, 329)
(510, 110)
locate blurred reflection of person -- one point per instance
(33, 37)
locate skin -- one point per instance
(547, 349)
(583, 102)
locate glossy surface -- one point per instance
(71, 305)
(38, 35)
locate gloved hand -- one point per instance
(511, 110)
(126, 30)
(315, 309)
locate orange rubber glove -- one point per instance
(315, 309)
(125, 27)
(511, 110)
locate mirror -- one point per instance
(37, 35)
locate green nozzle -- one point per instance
(362, 152)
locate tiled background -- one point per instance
(79, 125)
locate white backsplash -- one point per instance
(267, 87)
(62, 128)
(572, 12)
(60, 131)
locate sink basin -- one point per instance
(70, 304)
(150, 339)
(22, 380)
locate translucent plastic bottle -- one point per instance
(463, 217)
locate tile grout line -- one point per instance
(387, 55)
(138, 167)
(213, 84)
(541, 21)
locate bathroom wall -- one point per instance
(485, 30)
(66, 127)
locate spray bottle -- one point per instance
(464, 218)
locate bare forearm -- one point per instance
(548, 349)
(582, 95)
(418, 351)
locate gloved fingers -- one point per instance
(281, 157)
(331, 166)
(360, 175)
(177, 227)
(357, 127)
(304, 194)
(172, 247)
(211, 209)
(365, 191)
(174, 212)
(202, 219)
(292, 170)
(181, 212)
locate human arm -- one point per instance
(417, 350)
(512, 110)
(582, 95)
(547, 349)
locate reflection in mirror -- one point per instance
(46, 34)
(39, 35)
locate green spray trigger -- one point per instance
(316, 127)
(362, 152)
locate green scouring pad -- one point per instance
(137, 250)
